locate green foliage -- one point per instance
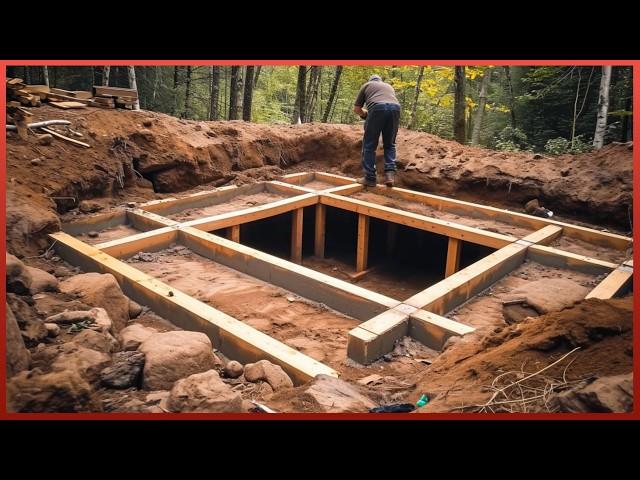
(560, 146)
(511, 139)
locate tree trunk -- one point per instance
(412, 121)
(625, 121)
(105, 75)
(27, 75)
(477, 122)
(248, 94)
(512, 100)
(215, 93)
(187, 93)
(134, 86)
(174, 108)
(312, 92)
(45, 74)
(300, 103)
(156, 85)
(332, 94)
(603, 107)
(257, 74)
(459, 107)
(233, 97)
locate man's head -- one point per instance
(375, 78)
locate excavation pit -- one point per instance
(330, 279)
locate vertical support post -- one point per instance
(453, 257)
(233, 233)
(321, 218)
(296, 235)
(392, 235)
(362, 251)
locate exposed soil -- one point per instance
(318, 185)
(240, 202)
(108, 234)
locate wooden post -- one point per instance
(321, 218)
(233, 233)
(363, 243)
(296, 235)
(453, 256)
(392, 236)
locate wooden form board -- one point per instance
(362, 249)
(453, 257)
(320, 230)
(296, 235)
(232, 337)
(616, 283)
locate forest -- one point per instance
(548, 109)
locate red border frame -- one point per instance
(320, 416)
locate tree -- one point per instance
(459, 106)
(248, 94)
(477, 122)
(215, 93)
(512, 100)
(412, 122)
(233, 96)
(187, 92)
(312, 92)
(105, 76)
(257, 74)
(134, 86)
(603, 107)
(300, 103)
(332, 95)
(45, 75)
(174, 106)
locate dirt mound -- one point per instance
(136, 156)
(601, 330)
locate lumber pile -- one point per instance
(112, 97)
(17, 91)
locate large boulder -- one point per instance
(266, 371)
(604, 395)
(71, 356)
(98, 341)
(62, 391)
(203, 392)
(170, 356)
(333, 395)
(18, 357)
(42, 281)
(100, 290)
(18, 277)
(125, 372)
(132, 336)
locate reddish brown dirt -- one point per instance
(240, 202)
(108, 234)
(175, 155)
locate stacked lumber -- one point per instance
(17, 91)
(112, 97)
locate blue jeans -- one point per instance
(381, 118)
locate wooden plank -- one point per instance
(616, 283)
(66, 139)
(362, 251)
(545, 235)
(554, 257)
(298, 178)
(282, 188)
(469, 209)
(114, 91)
(333, 178)
(143, 220)
(150, 241)
(233, 233)
(453, 257)
(97, 222)
(56, 96)
(344, 189)
(205, 198)
(296, 235)
(320, 230)
(433, 330)
(67, 105)
(421, 222)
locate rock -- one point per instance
(550, 294)
(89, 206)
(537, 156)
(93, 234)
(18, 277)
(18, 357)
(247, 406)
(71, 356)
(264, 370)
(333, 395)
(132, 336)
(564, 172)
(45, 139)
(42, 281)
(233, 369)
(147, 122)
(204, 392)
(101, 320)
(53, 330)
(171, 356)
(158, 399)
(71, 317)
(62, 392)
(100, 290)
(33, 332)
(517, 313)
(36, 162)
(134, 309)
(531, 206)
(125, 372)
(131, 204)
(604, 395)
(99, 341)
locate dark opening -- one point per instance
(270, 235)
(472, 252)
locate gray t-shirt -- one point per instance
(375, 92)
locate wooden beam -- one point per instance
(150, 241)
(334, 179)
(615, 284)
(433, 330)
(421, 222)
(296, 235)
(97, 222)
(282, 188)
(554, 257)
(169, 206)
(298, 178)
(114, 91)
(362, 251)
(320, 230)
(144, 221)
(453, 256)
(344, 189)
(232, 337)
(233, 233)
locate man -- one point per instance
(382, 115)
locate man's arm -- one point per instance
(360, 112)
(357, 108)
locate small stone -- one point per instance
(531, 205)
(36, 162)
(125, 372)
(291, 299)
(45, 139)
(233, 369)
(92, 234)
(88, 206)
(53, 330)
(131, 204)
(266, 371)
(147, 122)
(134, 309)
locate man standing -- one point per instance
(382, 115)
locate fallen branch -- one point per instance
(62, 137)
(46, 123)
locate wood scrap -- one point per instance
(67, 105)
(45, 123)
(62, 137)
(57, 97)
(114, 91)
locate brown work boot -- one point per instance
(366, 182)
(388, 178)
